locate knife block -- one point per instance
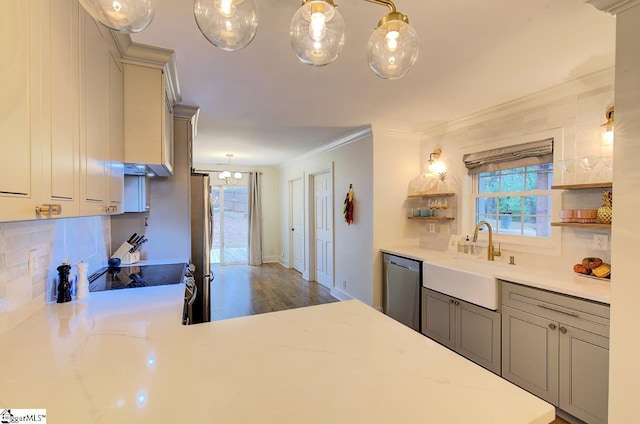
(126, 258)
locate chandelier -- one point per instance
(227, 176)
(316, 31)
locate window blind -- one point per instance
(526, 154)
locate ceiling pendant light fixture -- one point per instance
(393, 46)
(121, 15)
(317, 32)
(228, 24)
(226, 175)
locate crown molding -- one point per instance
(188, 112)
(597, 79)
(151, 56)
(346, 139)
(613, 6)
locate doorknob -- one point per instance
(293, 229)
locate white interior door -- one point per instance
(323, 228)
(297, 224)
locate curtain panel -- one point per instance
(255, 219)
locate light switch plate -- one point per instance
(453, 243)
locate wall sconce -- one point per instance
(435, 165)
(608, 126)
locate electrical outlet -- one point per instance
(432, 228)
(32, 262)
(600, 242)
(344, 284)
(444, 229)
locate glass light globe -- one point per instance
(237, 175)
(393, 49)
(224, 175)
(228, 24)
(317, 33)
(121, 15)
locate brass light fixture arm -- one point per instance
(387, 3)
(394, 15)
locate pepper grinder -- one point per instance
(82, 288)
(64, 288)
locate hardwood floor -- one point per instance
(241, 290)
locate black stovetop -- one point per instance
(133, 276)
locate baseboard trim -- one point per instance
(339, 294)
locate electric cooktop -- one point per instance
(133, 276)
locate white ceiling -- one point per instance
(265, 107)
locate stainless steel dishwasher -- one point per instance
(401, 289)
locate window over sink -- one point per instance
(515, 201)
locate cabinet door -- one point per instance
(116, 135)
(60, 161)
(478, 336)
(95, 154)
(438, 317)
(168, 130)
(530, 353)
(584, 374)
(20, 48)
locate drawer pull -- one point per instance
(563, 330)
(552, 326)
(551, 308)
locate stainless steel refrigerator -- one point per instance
(201, 239)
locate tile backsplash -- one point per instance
(49, 244)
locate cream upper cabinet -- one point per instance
(148, 124)
(39, 117)
(116, 135)
(94, 120)
(102, 121)
(19, 111)
(61, 132)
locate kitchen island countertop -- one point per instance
(123, 356)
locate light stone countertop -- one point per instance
(123, 357)
(565, 282)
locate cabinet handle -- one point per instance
(49, 209)
(563, 330)
(111, 209)
(552, 326)
(551, 308)
(450, 300)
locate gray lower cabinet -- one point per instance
(557, 347)
(470, 330)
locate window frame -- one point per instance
(551, 245)
(504, 194)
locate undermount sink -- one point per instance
(469, 280)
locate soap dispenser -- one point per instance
(467, 245)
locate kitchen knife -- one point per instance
(138, 245)
(132, 238)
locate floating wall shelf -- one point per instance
(411, 196)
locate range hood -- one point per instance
(146, 169)
(135, 169)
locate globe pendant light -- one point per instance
(121, 15)
(317, 32)
(228, 24)
(393, 46)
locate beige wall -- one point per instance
(351, 164)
